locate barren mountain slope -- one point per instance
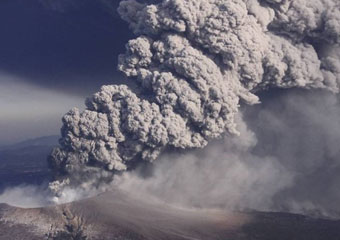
(117, 215)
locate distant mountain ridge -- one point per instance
(25, 162)
(40, 141)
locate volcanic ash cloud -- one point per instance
(195, 62)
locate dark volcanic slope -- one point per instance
(25, 162)
(117, 215)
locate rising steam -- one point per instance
(194, 63)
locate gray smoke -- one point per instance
(226, 174)
(302, 130)
(194, 63)
(286, 159)
(25, 196)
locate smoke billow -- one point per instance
(194, 63)
(26, 196)
(226, 174)
(286, 159)
(301, 130)
(34, 196)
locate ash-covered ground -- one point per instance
(118, 215)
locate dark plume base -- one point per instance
(117, 215)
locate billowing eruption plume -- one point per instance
(194, 63)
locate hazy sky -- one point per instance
(52, 57)
(28, 110)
